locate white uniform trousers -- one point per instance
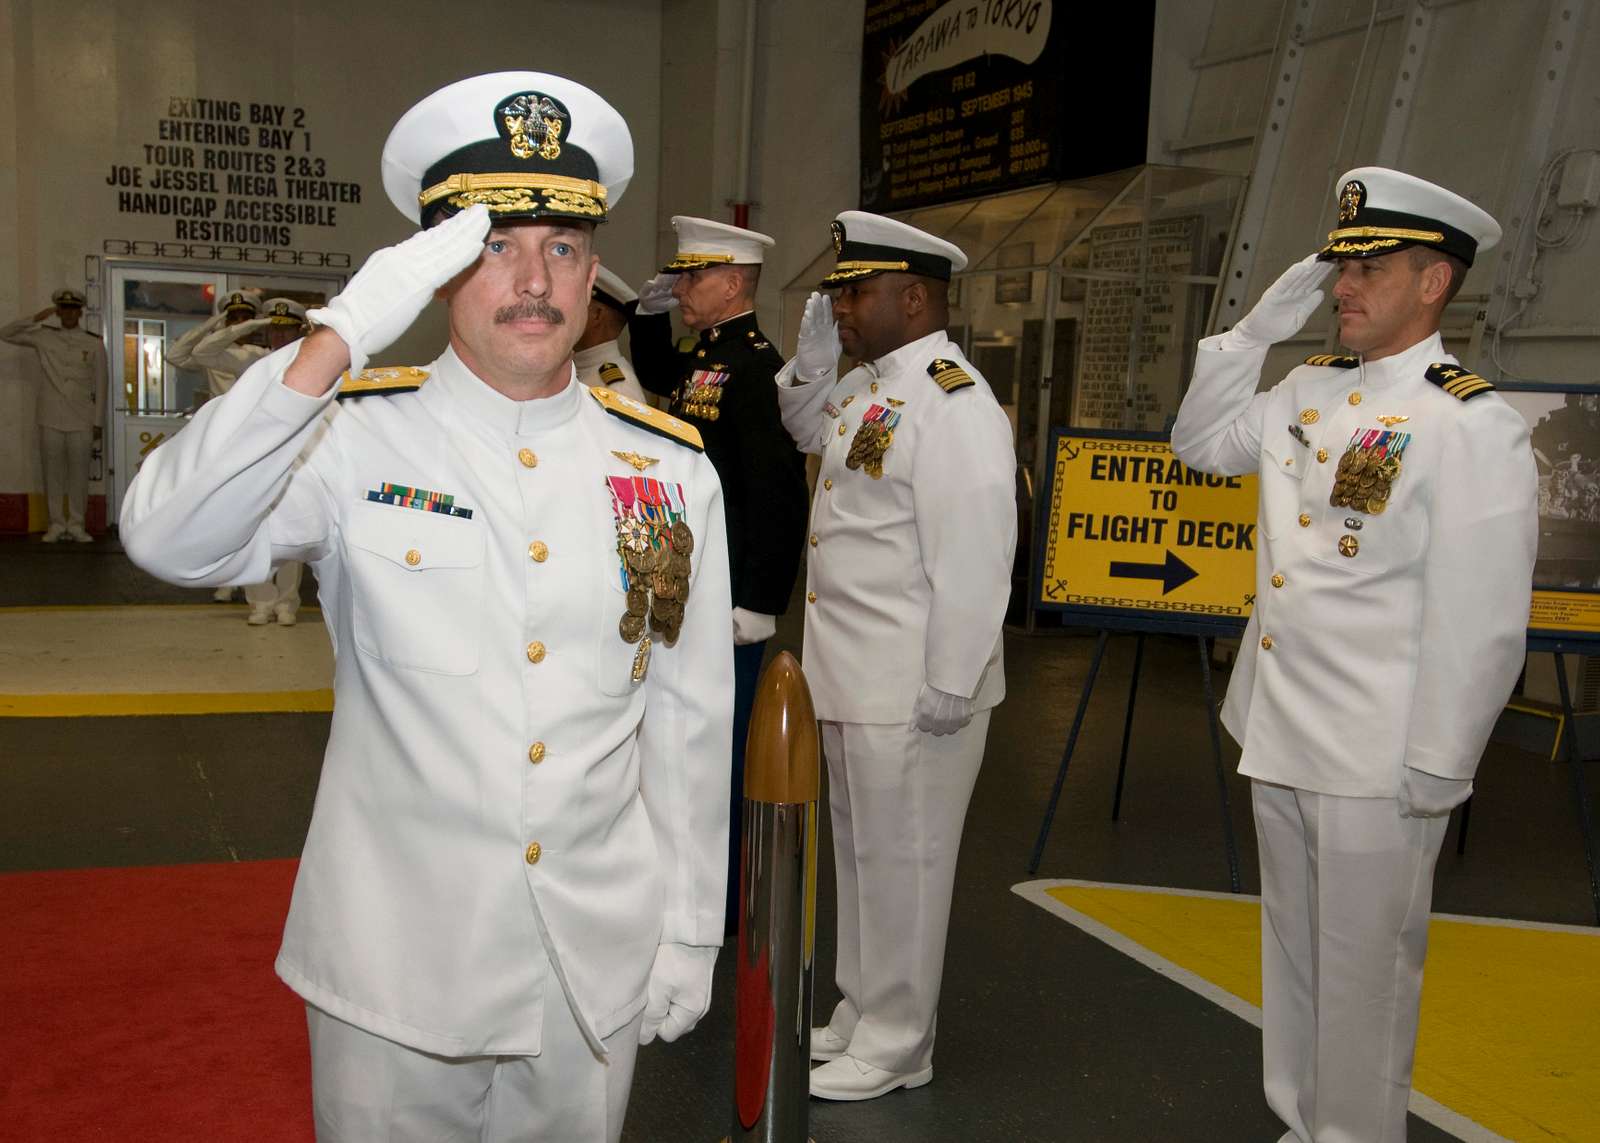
(282, 590)
(898, 797)
(1346, 885)
(66, 473)
(366, 1089)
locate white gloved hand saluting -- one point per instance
(1283, 309)
(752, 626)
(394, 286)
(679, 991)
(655, 296)
(1425, 795)
(939, 713)
(817, 352)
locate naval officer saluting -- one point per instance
(514, 871)
(1393, 578)
(909, 569)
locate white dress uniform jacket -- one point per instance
(604, 366)
(213, 348)
(74, 363)
(1396, 650)
(503, 811)
(913, 567)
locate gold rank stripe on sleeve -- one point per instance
(1333, 360)
(611, 373)
(1458, 382)
(381, 381)
(948, 375)
(651, 420)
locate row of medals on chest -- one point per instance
(1364, 479)
(657, 559)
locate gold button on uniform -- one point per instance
(1322, 456)
(1305, 520)
(536, 753)
(533, 853)
(535, 652)
(841, 430)
(827, 485)
(811, 597)
(1278, 581)
(1290, 462)
(874, 386)
(413, 557)
(1266, 642)
(1355, 398)
(538, 551)
(813, 541)
(528, 459)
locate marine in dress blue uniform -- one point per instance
(514, 871)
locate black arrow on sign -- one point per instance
(1172, 574)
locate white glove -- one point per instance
(1283, 309)
(387, 294)
(817, 353)
(679, 991)
(752, 626)
(1425, 795)
(939, 713)
(655, 296)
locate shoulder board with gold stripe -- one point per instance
(948, 375)
(1458, 382)
(381, 381)
(611, 373)
(651, 420)
(1333, 360)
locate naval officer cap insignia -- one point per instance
(69, 298)
(705, 242)
(237, 301)
(1381, 211)
(283, 311)
(612, 291)
(870, 244)
(523, 143)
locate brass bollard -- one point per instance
(774, 972)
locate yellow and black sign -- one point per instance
(1132, 529)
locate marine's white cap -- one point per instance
(613, 291)
(703, 242)
(525, 143)
(1382, 210)
(870, 244)
(283, 311)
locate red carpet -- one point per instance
(140, 1005)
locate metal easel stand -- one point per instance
(1127, 734)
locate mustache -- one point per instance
(531, 308)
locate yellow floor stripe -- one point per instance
(200, 702)
(1510, 1033)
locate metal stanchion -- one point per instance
(777, 913)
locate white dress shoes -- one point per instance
(53, 534)
(826, 1044)
(77, 533)
(848, 1078)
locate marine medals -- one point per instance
(873, 437)
(701, 395)
(654, 543)
(1368, 470)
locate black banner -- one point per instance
(962, 98)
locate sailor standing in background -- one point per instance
(912, 535)
(724, 387)
(68, 409)
(514, 873)
(597, 356)
(231, 309)
(1398, 528)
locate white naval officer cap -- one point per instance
(67, 296)
(705, 242)
(524, 143)
(870, 244)
(613, 291)
(283, 311)
(236, 300)
(1382, 210)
